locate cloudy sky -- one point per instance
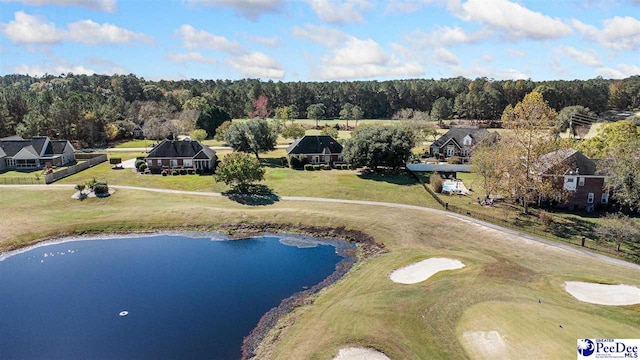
(318, 40)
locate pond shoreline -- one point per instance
(258, 338)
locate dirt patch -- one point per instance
(485, 345)
(358, 353)
(508, 270)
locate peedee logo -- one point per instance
(608, 348)
(586, 347)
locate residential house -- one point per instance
(578, 176)
(460, 142)
(170, 154)
(317, 149)
(138, 132)
(38, 152)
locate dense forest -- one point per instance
(96, 108)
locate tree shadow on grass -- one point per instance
(572, 227)
(389, 176)
(280, 162)
(252, 195)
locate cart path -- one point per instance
(369, 203)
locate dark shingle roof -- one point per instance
(58, 146)
(315, 144)
(180, 149)
(2, 154)
(12, 147)
(13, 137)
(458, 135)
(564, 161)
(38, 143)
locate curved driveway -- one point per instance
(372, 203)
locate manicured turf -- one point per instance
(509, 285)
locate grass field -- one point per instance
(509, 285)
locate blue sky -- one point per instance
(322, 40)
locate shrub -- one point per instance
(80, 187)
(308, 167)
(175, 172)
(325, 167)
(190, 171)
(142, 167)
(91, 183)
(454, 160)
(147, 171)
(164, 173)
(101, 189)
(545, 218)
(298, 161)
(143, 158)
(435, 180)
(115, 160)
(138, 163)
(183, 171)
(316, 167)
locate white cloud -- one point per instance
(340, 11)
(445, 36)
(405, 6)
(99, 5)
(257, 65)
(251, 9)
(91, 33)
(270, 42)
(619, 33)
(39, 70)
(622, 71)
(359, 59)
(358, 52)
(189, 57)
(479, 71)
(30, 29)
(588, 57)
(194, 38)
(516, 53)
(443, 56)
(322, 35)
(516, 21)
(487, 58)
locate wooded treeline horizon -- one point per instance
(95, 108)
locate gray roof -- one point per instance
(566, 161)
(13, 137)
(12, 147)
(458, 135)
(181, 149)
(315, 144)
(2, 154)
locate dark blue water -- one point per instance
(186, 297)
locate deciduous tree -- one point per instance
(375, 146)
(315, 112)
(293, 131)
(239, 170)
(211, 118)
(253, 136)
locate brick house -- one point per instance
(317, 149)
(576, 175)
(460, 142)
(188, 154)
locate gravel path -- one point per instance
(371, 203)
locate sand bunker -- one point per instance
(486, 344)
(423, 270)
(602, 294)
(358, 353)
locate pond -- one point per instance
(165, 296)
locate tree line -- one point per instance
(99, 108)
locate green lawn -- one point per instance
(508, 284)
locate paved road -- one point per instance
(372, 203)
(141, 149)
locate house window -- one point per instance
(187, 163)
(590, 198)
(11, 162)
(159, 162)
(570, 183)
(174, 163)
(451, 150)
(581, 181)
(605, 198)
(315, 159)
(467, 140)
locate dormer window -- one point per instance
(467, 140)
